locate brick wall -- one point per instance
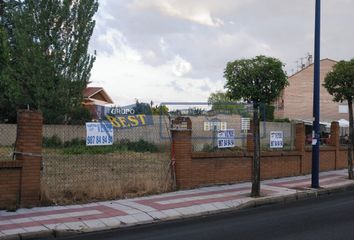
(10, 182)
(20, 179)
(195, 169)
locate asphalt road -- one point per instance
(327, 217)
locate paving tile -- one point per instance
(13, 231)
(111, 222)
(187, 210)
(171, 213)
(233, 203)
(36, 229)
(127, 219)
(21, 220)
(57, 227)
(5, 222)
(116, 205)
(220, 205)
(142, 217)
(140, 207)
(76, 225)
(94, 224)
(157, 215)
(209, 207)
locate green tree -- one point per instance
(221, 103)
(49, 61)
(258, 81)
(142, 108)
(160, 110)
(340, 84)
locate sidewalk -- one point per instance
(62, 220)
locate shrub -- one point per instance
(78, 146)
(75, 142)
(281, 120)
(142, 146)
(52, 142)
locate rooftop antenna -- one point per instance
(309, 58)
(302, 63)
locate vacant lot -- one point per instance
(68, 178)
(85, 177)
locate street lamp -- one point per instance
(316, 101)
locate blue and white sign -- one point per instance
(276, 139)
(226, 138)
(99, 133)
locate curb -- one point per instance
(298, 196)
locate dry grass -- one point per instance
(5, 153)
(82, 178)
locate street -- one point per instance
(327, 217)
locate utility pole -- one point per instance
(316, 101)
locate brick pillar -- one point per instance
(300, 143)
(250, 143)
(300, 137)
(28, 151)
(182, 150)
(334, 140)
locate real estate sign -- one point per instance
(215, 125)
(99, 133)
(226, 138)
(276, 139)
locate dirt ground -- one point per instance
(89, 177)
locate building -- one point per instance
(95, 100)
(296, 100)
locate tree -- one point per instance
(221, 103)
(340, 84)
(258, 81)
(142, 108)
(160, 110)
(49, 64)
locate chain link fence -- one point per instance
(137, 163)
(7, 141)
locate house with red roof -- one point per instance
(95, 100)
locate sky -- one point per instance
(177, 50)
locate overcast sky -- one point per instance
(176, 50)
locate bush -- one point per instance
(142, 146)
(267, 113)
(78, 146)
(79, 115)
(281, 120)
(209, 148)
(75, 142)
(52, 142)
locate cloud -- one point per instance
(125, 75)
(180, 66)
(181, 9)
(176, 50)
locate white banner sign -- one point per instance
(276, 139)
(245, 124)
(226, 138)
(99, 133)
(210, 126)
